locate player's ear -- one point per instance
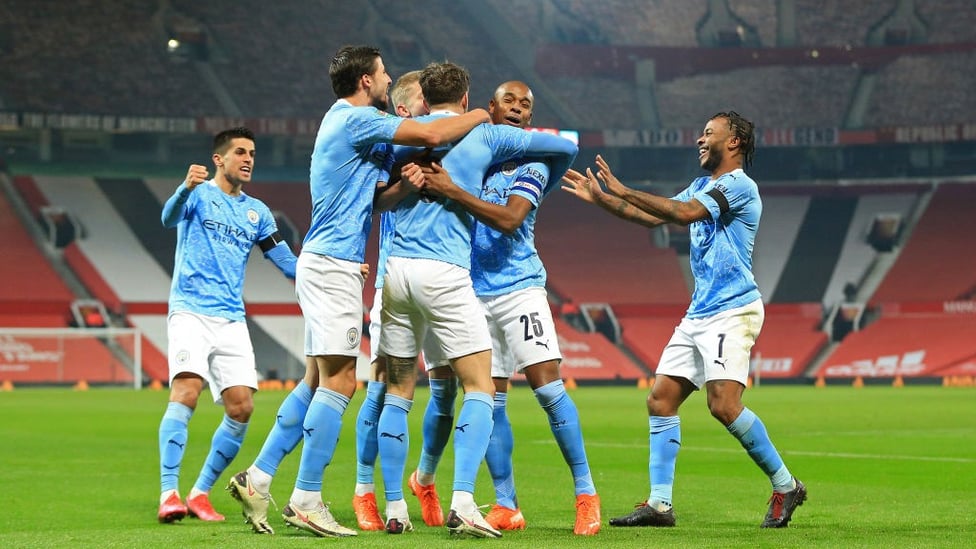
(464, 101)
(218, 160)
(734, 142)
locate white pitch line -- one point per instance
(841, 455)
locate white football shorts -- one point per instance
(217, 349)
(716, 347)
(330, 292)
(432, 354)
(522, 331)
(425, 294)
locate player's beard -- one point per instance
(381, 103)
(712, 160)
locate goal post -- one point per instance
(106, 356)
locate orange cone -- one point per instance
(7, 385)
(898, 382)
(821, 382)
(858, 382)
(82, 385)
(156, 385)
(570, 384)
(642, 383)
(289, 384)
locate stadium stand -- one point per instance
(775, 97)
(907, 344)
(591, 256)
(26, 275)
(57, 46)
(935, 264)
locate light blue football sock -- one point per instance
(366, 420)
(438, 423)
(173, 435)
(393, 442)
(665, 441)
(498, 457)
(565, 426)
(323, 422)
(286, 432)
(226, 442)
(751, 433)
(474, 425)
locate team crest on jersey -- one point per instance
(252, 216)
(509, 168)
(352, 337)
(182, 357)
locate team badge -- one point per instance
(508, 168)
(182, 357)
(252, 216)
(352, 337)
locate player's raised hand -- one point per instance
(195, 175)
(364, 269)
(578, 184)
(606, 176)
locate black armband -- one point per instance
(719, 198)
(270, 242)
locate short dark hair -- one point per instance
(444, 83)
(222, 140)
(744, 130)
(348, 64)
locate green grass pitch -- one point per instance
(885, 467)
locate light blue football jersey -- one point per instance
(213, 241)
(347, 161)
(440, 229)
(721, 247)
(501, 263)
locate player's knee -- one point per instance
(724, 411)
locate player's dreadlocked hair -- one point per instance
(743, 129)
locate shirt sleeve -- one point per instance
(267, 226)
(367, 125)
(727, 194)
(532, 182)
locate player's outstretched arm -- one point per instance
(440, 131)
(587, 188)
(667, 209)
(174, 209)
(504, 218)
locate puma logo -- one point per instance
(461, 427)
(391, 435)
(543, 344)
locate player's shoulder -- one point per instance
(740, 179)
